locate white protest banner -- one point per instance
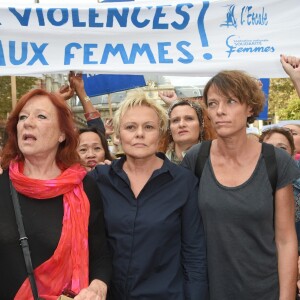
(169, 37)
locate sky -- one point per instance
(187, 81)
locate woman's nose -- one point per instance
(182, 123)
(90, 153)
(139, 131)
(29, 121)
(221, 109)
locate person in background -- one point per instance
(279, 137)
(282, 137)
(251, 244)
(95, 128)
(291, 65)
(91, 114)
(188, 125)
(92, 147)
(61, 206)
(294, 127)
(153, 224)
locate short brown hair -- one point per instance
(281, 130)
(67, 151)
(240, 85)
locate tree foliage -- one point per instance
(283, 100)
(24, 84)
(292, 111)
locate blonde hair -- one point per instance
(136, 98)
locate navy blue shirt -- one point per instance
(157, 239)
(98, 123)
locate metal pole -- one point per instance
(13, 91)
(109, 105)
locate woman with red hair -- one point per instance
(61, 211)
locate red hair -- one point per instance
(66, 154)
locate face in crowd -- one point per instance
(90, 149)
(184, 125)
(295, 130)
(279, 137)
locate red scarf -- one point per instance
(68, 267)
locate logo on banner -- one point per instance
(230, 18)
(250, 17)
(238, 45)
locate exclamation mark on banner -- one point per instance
(201, 29)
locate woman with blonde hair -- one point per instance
(154, 227)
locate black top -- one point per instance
(43, 224)
(157, 238)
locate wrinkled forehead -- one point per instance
(41, 102)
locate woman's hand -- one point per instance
(291, 65)
(66, 92)
(97, 290)
(77, 83)
(109, 126)
(167, 96)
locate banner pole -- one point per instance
(109, 105)
(13, 82)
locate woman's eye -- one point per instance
(129, 127)
(22, 117)
(149, 127)
(41, 116)
(231, 101)
(82, 150)
(211, 104)
(189, 118)
(174, 121)
(97, 149)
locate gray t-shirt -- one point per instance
(238, 223)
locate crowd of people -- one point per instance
(192, 209)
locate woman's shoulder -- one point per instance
(190, 158)
(4, 176)
(182, 173)
(286, 167)
(89, 184)
(100, 170)
(282, 157)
